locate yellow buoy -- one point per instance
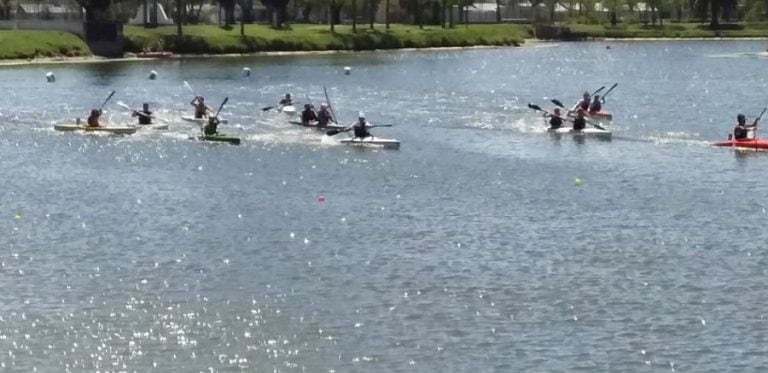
(577, 181)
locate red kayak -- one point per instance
(758, 144)
(600, 115)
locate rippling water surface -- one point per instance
(471, 249)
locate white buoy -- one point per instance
(246, 72)
(50, 77)
(347, 70)
(152, 75)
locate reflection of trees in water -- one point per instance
(104, 74)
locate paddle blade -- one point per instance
(557, 102)
(267, 108)
(108, 98)
(124, 106)
(222, 105)
(189, 87)
(534, 107)
(332, 132)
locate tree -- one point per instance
(179, 18)
(386, 14)
(354, 16)
(613, 6)
(279, 11)
(372, 11)
(715, 5)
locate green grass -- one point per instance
(16, 44)
(212, 39)
(669, 30)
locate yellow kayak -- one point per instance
(121, 130)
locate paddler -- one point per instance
(286, 100)
(210, 128)
(555, 120)
(596, 105)
(741, 131)
(579, 123)
(145, 116)
(361, 127)
(324, 116)
(93, 119)
(584, 103)
(308, 115)
(201, 109)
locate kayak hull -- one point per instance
(288, 110)
(219, 138)
(756, 144)
(591, 132)
(192, 119)
(314, 125)
(601, 115)
(372, 142)
(119, 130)
(152, 126)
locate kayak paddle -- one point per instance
(107, 100)
(221, 106)
(337, 131)
(268, 108)
(607, 92)
(328, 101)
(189, 87)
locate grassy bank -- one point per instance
(669, 30)
(18, 44)
(215, 40)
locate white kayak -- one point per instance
(592, 132)
(192, 119)
(373, 142)
(288, 109)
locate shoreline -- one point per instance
(532, 43)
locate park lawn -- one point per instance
(204, 39)
(17, 44)
(669, 30)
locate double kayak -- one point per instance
(219, 137)
(592, 132)
(329, 126)
(755, 144)
(372, 142)
(192, 119)
(119, 130)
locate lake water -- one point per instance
(471, 249)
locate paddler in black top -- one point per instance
(145, 116)
(584, 103)
(324, 116)
(361, 127)
(579, 123)
(201, 109)
(555, 120)
(210, 128)
(286, 100)
(93, 119)
(596, 105)
(308, 115)
(741, 132)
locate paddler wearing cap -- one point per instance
(361, 127)
(324, 116)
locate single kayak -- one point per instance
(600, 115)
(592, 132)
(372, 141)
(120, 130)
(192, 119)
(330, 126)
(163, 54)
(288, 109)
(218, 138)
(756, 144)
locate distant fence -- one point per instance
(73, 26)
